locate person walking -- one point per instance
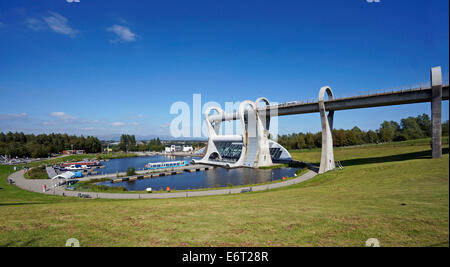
(44, 188)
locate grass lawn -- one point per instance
(36, 173)
(394, 193)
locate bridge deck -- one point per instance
(410, 96)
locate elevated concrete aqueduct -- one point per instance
(254, 149)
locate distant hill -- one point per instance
(116, 137)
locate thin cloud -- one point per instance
(47, 123)
(58, 24)
(35, 24)
(57, 114)
(55, 22)
(134, 117)
(63, 116)
(60, 117)
(123, 21)
(14, 116)
(117, 124)
(92, 129)
(123, 33)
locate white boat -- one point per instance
(77, 167)
(164, 165)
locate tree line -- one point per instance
(408, 129)
(43, 145)
(128, 143)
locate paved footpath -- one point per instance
(36, 186)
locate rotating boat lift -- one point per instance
(255, 138)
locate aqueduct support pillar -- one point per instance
(436, 112)
(327, 159)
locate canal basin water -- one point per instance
(216, 177)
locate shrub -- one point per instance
(297, 164)
(400, 137)
(131, 171)
(37, 173)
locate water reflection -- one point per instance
(217, 177)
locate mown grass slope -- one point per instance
(396, 194)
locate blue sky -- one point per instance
(111, 67)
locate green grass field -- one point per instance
(36, 173)
(394, 193)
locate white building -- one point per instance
(64, 175)
(178, 148)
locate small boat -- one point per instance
(84, 163)
(77, 167)
(165, 165)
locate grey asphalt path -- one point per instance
(36, 186)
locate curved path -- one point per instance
(36, 186)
